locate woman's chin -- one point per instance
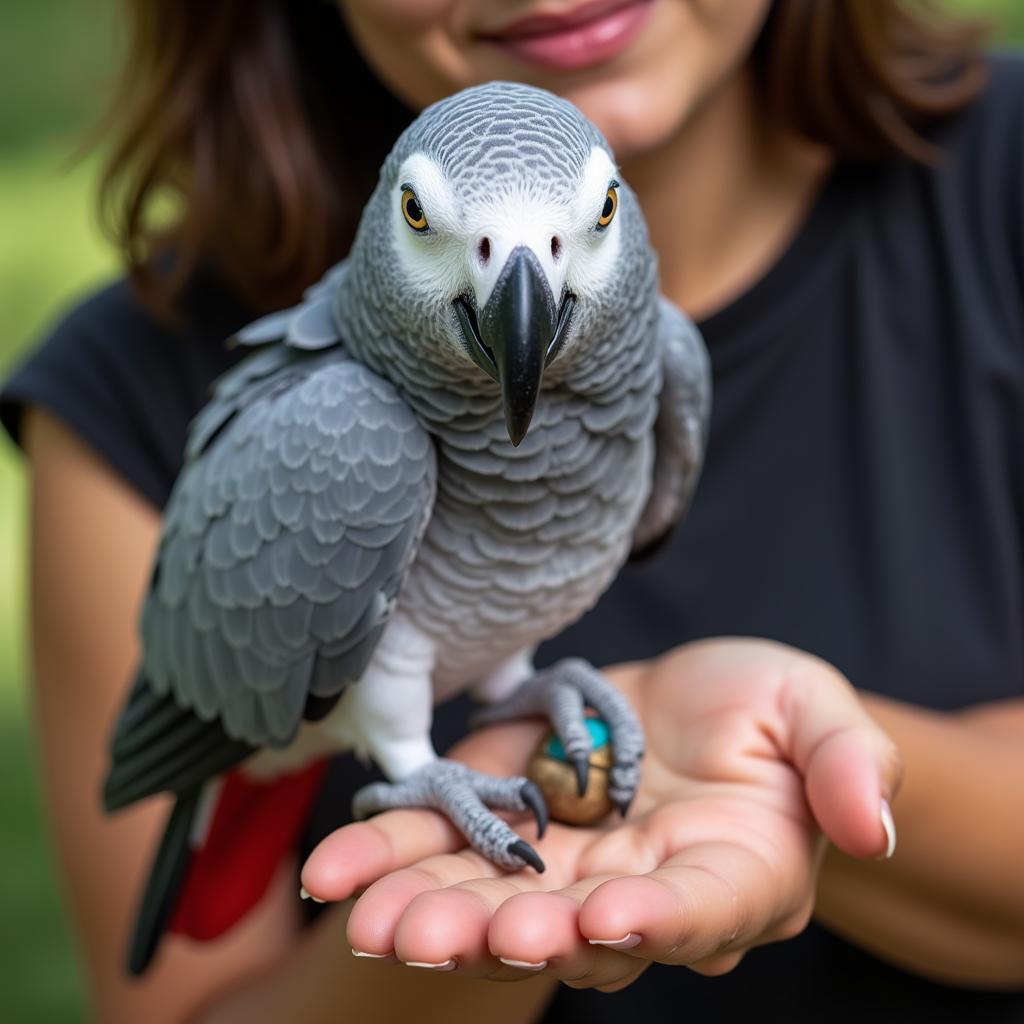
(633, 115)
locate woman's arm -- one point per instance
(92, 544)
(950, 903)
(93, 540)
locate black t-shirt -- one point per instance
(863, 496)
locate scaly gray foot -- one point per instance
(465, 796)
(561, 693)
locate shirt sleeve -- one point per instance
(125, 383)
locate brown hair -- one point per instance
(261, 121)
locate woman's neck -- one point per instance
(723, 197)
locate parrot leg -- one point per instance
(506, 678)
(561, 693)
(465, 796)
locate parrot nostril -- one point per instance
(483, 251)
(556, 248)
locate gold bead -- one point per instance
(557, 781)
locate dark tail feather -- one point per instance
(165, 880)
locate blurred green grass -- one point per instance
(55, 57)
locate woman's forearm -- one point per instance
(322, 981)
(950, 903)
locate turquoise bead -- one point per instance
(599, 737)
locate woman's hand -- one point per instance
(754, 750)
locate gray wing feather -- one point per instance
(681, 430)
(307, 488)
(311, 325)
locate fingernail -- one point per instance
(890, 830)
(525, 965)
(628, 941)
(373, 956)
(447, 965)
(309, 896)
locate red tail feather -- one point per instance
(255, 826)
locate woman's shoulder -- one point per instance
(987, 136)
(953, 225)
(125, 380)
(1003, 95)
(115, 322)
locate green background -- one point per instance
(56, 61)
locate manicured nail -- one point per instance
(373, 956)
(309, 896)
(890, 830)
(525, 965)
(447, 965)
(628, 941)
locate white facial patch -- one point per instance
(469, 241)
(433, 260)
(595, 254)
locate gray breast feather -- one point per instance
(681, 429)
(306, 490)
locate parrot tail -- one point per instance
(222, 846)
(168, 872)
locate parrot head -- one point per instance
(501, 245)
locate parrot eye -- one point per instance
(414, 215)
(611, 204)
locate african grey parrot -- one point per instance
(439, 459)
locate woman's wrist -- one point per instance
(950, 903)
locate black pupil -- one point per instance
(609, 207)
(413, 209)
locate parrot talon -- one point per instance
(623, 805)
(534, 799)
(521, 848)
(562, 693)
(581, 763)
(466, 797)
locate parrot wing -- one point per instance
(307, 486)
(681, 429)
(310, 325)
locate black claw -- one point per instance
(522, 849)
(534, 800)
(581, 762)
(624, 804)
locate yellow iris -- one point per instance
(414, 215)
(611, 204)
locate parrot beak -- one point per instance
(520, 331)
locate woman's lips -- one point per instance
(590, 35)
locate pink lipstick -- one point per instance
(588, 35)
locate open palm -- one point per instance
(754, 750)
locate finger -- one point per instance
(542, 926)
(539, 932)
(449, 926)
(435, 914)
(357, 855)
(712, 899)
(374, 919)
(850, 766)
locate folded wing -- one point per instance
(681, 430)
(307, 486)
